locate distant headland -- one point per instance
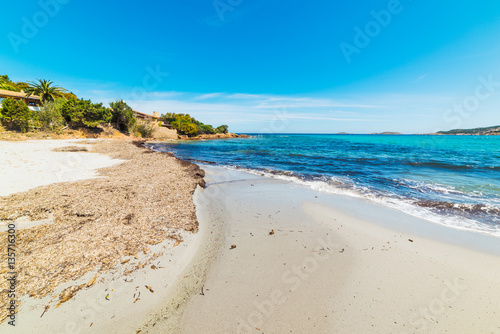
(488, 131)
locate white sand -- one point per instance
(334, 266)
(29, 164)
(110, 306)
(115, 304)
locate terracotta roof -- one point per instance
(21, 94)
(145, 115)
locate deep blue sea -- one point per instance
(450, 180)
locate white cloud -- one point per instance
(421, 77)
(253, 112)
(164, 94)
(208, 96)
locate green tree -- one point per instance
(123, 115)
(183, 123)
(16, 115)
(85, 113)
(45, 89)
(187, 125)
(6, 84)
(69, 96)
(188, 128)
(22, 85)
(221, 129)
(50, 116)
(204, 129)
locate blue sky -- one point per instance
(269, 66)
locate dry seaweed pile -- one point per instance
(139, 203)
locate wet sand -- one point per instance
(268, 256)
(309, 262)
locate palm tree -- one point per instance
(45, 90)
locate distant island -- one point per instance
(375, 133)
(387, 133)
(489, 131)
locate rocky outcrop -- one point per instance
(216, 136)
(164, 133)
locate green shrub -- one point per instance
(204, 129)
(183, 123)
(144, 129)
(187, 128)
(85, 113)
(221, 129)
(15, 115)
(123, 115)
(7, 84)
(50, 116)
(187, 125)
(108, 130)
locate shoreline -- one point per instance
(304, 261)
(93, 252)
(453, 189)
(303, 264)
(377, 213)
(190, 283)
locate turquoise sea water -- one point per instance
(451, 180)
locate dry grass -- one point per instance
(97, 222)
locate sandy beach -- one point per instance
(97, 248)
(250, 167)
(268, 256)
(309, 262)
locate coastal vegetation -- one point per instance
(84, 113)
(7, 84)
(50, 116)
(492, 130)
(189, 126)
(15, 115)
(45, 89)
(60, 109)
(123, 115)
